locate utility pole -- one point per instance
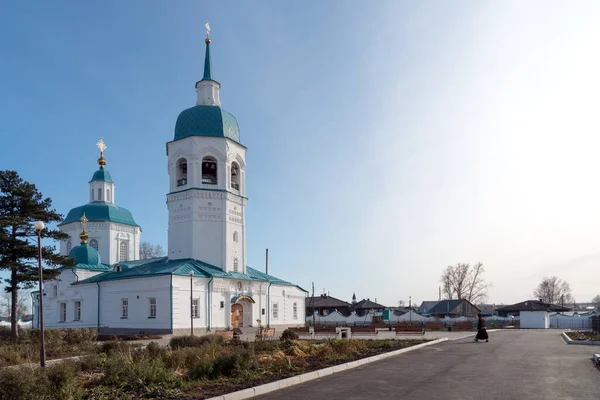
(313, 303)
(410, 307)
(267, 262)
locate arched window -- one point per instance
(295, 310)
(235, 265)
(94, 243)
(99, 194)
(123, 253)
(68, 247)
(181, 172)
(235, 176)
(108, 195)
(209, 171)
(235, 237)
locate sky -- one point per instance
(386, 140)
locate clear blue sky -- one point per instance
(385, 139)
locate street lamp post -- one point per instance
(191, 303)
(410, 308)
(39, 226)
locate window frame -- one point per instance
(275, 310)
(295, 310)
(123, 245)
(152, 307)
(62, 311)
(77, 311)
(124, 308)
(196, 308)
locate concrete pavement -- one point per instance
(519, 365)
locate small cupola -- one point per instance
(84, 253)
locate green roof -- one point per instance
(100, 211)
(85, 254)
(102, 175)
(89, 267)
(164, 266)
(210, 121)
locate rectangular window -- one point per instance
(55, 291)
(152, 307)
(196, 308)
(99, 194)
(63, 312)
(275, 311)
(124, 308)
(295, 310)
(78, 311)
(222, 304)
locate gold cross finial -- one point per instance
(101, 146)
(207, 26)
(84, 221)
(84, 236)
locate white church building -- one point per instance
(203, 283)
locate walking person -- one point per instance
(481, 331)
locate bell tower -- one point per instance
(207, 167)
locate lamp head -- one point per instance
(191, 273)
(39, 225)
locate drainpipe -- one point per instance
(171, 306)
(75, 273)
(209, 302)
(269, 305)
(98, 327)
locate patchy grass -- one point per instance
(59, 343)
(195, 369)
(583, 335)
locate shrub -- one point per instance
(122, 371)
(154, 349)
(289, 334)
(113, 347)
(202, 369)
(62, 383)
(195, 341)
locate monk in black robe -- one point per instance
(481, 331)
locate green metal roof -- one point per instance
(85, 254)
(210, 121)
(89, 267)
(100, 211)
(164, 266)
(102, 175)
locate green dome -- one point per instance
(85, 254)
(102, 175)
(210, 121)
(100, 211)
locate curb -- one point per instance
(568, 340)
(309, 376)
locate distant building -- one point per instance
(364, 306)
(325, 305)
(534, 314)
(426, 306)
(453, 308)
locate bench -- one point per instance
(434, 326)
(227, 335)
(303, 330)
(325, 331)
(409, 329)
(364, 330)
(463, 326)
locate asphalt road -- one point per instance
(520, 365)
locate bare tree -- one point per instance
(401, 303)
(465, 281)
(596, 300)
(148, 250)
(22, 304)
(554, 290)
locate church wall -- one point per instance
(61, 291)
(107, 235)
(138, 293)
(181, 302)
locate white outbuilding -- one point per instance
(533, 314)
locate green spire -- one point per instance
(207, 72)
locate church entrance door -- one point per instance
(237, 316)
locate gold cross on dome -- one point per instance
(207, 26)
(101, 146)
(84, 221)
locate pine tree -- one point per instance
(21, 204)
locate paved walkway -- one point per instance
(519, 365)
